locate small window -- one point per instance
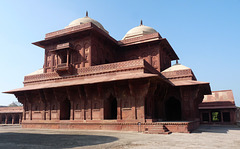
(216, 116)
(226, 116)
(205, 117)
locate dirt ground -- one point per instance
(12, 137)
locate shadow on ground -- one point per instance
(216, 128)
(51, 141)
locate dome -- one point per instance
(84, 20)
(176, 67)
(139, 31)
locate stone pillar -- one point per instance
(49, 111)
(6, 119)
(0, 118)
(30, 112)
(24, 112)
(45, 63)
(210, 117)
(101, 109)
(82, 57)
(90, 56)
(139, 90)
(58, 107)
(72, 110)
(13, 118)
(52, 61)
(221, 116)
(20, 119)
(44, 111)
(119, 109)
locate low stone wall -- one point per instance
(154, 127)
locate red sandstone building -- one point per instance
(11, 115)
(218, 108)
(92, 81)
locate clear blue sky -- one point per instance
(204, 34)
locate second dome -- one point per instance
(139, 31)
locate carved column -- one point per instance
(81, 95)
(82, 57)
(43, 100)
(28, 98)
(48, 95)
(91, 93)
(6, 118)
(45, 63)
(73, 96)
(21, 98)
(20, 119)
(119, 108)
(13, 118)
(139, 90)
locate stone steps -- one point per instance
(157, 129)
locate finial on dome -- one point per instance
(176, 62)
(86, 13)
(141, 23)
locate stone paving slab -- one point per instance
(11, 137)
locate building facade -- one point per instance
(11, 115)
(218, 108)
(92, 81)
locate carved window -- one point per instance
(205, 117)
(226, 117)
(216, 116)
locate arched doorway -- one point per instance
(173, 110)
(65, 108)
(110, 108)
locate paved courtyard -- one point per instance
(12, 137)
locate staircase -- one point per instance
(156, 129)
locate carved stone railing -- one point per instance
(178, 74)
(64, 67)
(68, 30)
(93, 70)
(41, 77)
(114, 67)
(138, 39)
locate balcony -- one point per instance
(64, 67)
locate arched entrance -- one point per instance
(173, 110)
(110, 108)
(65, 108)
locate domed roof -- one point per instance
(84, 20)
(139, 31)
(176, 67)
